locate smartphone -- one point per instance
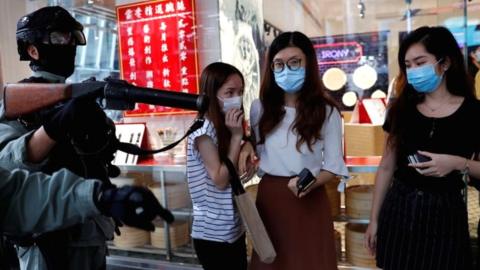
(306, 179)
(418, 158)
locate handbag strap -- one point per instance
(135, 150)
(237, 187)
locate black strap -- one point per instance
(237, 187)
(135, 150)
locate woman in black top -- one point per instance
(418, 218)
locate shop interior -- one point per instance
(356, 42)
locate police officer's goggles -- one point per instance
(75, 37)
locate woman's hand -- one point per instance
(439, 165)
(247, 161)
(292, 185)
(234, 122)
(370, 238)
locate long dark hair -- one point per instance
(441, 43)
(312, 99)
(212, 78)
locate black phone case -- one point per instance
(422, 158)
(417, 158)
(306, 178)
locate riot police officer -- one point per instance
(48, 38)
(59, 137)
(64, 199)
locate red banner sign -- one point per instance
(158, 49)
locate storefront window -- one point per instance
(356, 40)
(99, 57)
(165, 44)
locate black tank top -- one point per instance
(457, 134)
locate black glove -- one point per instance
(97, 150)
(80, 118)
(133, 206)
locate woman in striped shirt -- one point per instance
(217, 231)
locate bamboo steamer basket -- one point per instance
(333, 196)
(123, 181)
(355, 251)
(338, 244)
(131, 237)
(361, 179)
(358, 201)
(252, 191)
(177, 194)
(179, 235)
(140, 178)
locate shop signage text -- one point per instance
(158, 48)
(338, 53)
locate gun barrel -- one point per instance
(156, 97)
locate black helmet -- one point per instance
(49, 25)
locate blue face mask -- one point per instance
(424, 79)
(290, 80)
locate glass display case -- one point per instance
(169, 242)
(165, 177)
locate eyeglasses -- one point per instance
(75, 37)
(292, 64)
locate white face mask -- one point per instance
(231, 103)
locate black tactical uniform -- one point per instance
(55, 34)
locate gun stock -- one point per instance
(24, 98)
(18, 99)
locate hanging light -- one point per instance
(334, 79)
(365, 77)
(349, 99)
(378, 94)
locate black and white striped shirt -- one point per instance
(215, 217)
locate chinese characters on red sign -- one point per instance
(158, 49)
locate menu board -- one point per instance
(158, 49)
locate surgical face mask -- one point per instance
(290, 81)
(424, 79)
(231, 103)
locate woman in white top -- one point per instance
(217, 231)
(296, 126)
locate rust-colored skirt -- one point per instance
(301, 230)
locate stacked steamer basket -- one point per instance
(177, 197)
(356, 253)
(179, 235)
(129, 237)
(333, 196)
(358, 200)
